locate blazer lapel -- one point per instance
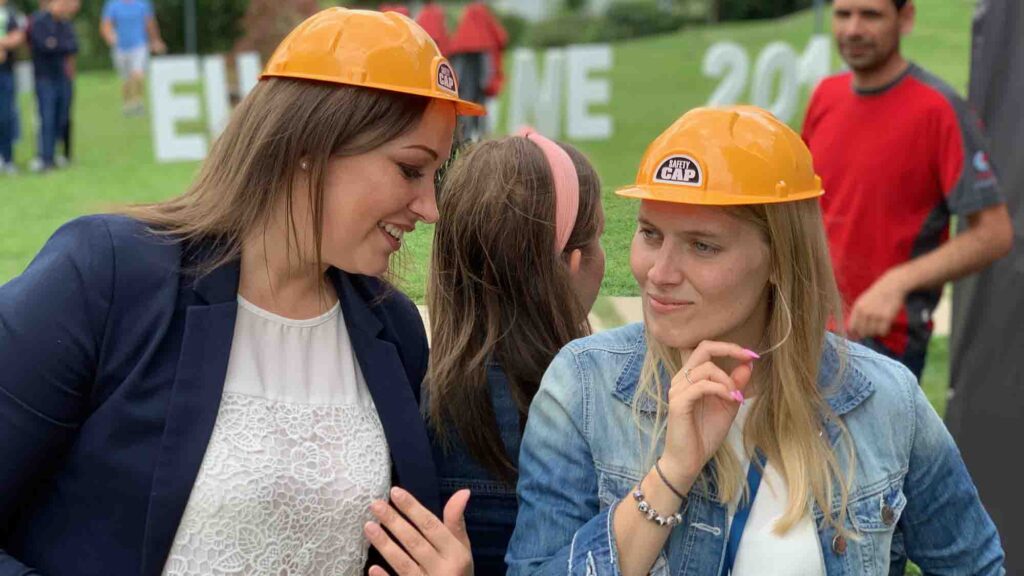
(195, 401)
(392, 394)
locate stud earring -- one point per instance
(304, 165)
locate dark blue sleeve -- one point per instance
(38, 32)
(52, 322)
(70, 38)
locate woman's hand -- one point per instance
(420, 544)
(702, 404)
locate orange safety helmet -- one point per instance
(382, 50)
(725, 157)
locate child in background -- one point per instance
(517, 264)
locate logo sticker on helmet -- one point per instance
(680, 170)
(446, 78)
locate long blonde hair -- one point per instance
(785, 422)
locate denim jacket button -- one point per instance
(839, 545)
(888, 516)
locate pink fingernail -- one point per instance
(397, 494)
(371, 529)
(752, 354)
(738, 396)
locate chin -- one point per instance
(372, 269)
(673, 336)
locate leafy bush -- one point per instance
(516, 26)
(564, 29)
(267, 22)
(621, 20)
(636, 19)
(757, 9)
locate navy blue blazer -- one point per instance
(112, 366)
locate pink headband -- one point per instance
(567, 185)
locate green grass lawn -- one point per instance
(653, 79)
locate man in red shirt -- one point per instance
(899, 152)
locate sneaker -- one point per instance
(36, 166)
(134, 109)
(8, 169)
(61, 161)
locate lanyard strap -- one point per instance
(739, 519)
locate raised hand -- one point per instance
(419, 543)
(703, 402)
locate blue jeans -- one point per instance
(53, 95)
(6, 116)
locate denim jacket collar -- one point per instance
(843, 386)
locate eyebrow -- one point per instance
(426, 149)
(694, 232)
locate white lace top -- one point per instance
(296, 457)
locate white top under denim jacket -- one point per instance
(795, 553)
(580, 457)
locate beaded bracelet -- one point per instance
(651, 514)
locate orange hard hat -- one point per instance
(382, 50)
(726, 156)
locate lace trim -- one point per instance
(283, 489)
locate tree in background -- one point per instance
(267, 22)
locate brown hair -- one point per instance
(253, 162)
(498, 293)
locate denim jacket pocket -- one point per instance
(613, 486)
(880, 510)
(873, 519)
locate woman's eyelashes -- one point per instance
(705, 249)
(410, 172)
(649, 234)
(699, 247)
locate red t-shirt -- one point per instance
(895, 162)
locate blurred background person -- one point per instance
(52, 40)
(71, 69)
(130, 29)
(431, 18)
(395, 7)
(517, 265)
(899, 151)
(476, 51)
(11, 36)
(985, 404)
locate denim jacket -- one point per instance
(491, 513)
(580, 456)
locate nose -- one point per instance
(424, 205)
(667, 269)
(855, 26)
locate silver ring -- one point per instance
(686, 374)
